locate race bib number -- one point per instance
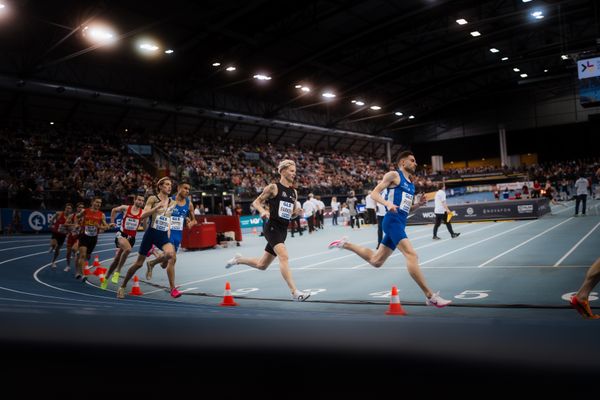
(91, 230)
(162, 223)
(62, 229)
(406, 203)
(177, 223)
(285, 209)
(131, 224)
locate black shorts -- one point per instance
(275, 234)
(89, 242)
(59, 237)
(130, 239)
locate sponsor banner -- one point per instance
(32, 221)
(513, 185)
(496, 210)
(250, 221)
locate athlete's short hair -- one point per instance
(285, 164)
(162, 180)
(405, 154)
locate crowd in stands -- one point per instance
(46, 167)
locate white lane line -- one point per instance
(26, 247)
(576, 245)
(476, 243)
(430, 244)
(449, 267)
(524, 243)
(46, 252)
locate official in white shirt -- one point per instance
(441, 211)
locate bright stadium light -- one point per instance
(359, 103)
(475, 33)
(230, 68)
(216, 64)
(375, 108)
(262, 77)
(398, 114)
(169, 51)
(328, 95)
(148, 47)
(99, 34)
(461, 21)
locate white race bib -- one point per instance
(131, 224)
(406, 203)
(91, 230)
(286, 209)
(176, 223)
(161, 223)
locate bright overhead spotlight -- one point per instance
(359, 103)
(411, 117)
(169, 51)
(537, 14)
(216, 64)
(516, 70)
(298, 86)
(328, 95)
(494, 50)
(262, 77)
(148, 47)
(398, 114)
(461, 21)
(375, 108)
(475, 33)
(504, 58)
(99, 34)
(305, 89)
(230, 68)
(545, 70)
(564, 57)
(526, 1)
(523, 75)
(51, 123)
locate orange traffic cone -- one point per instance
(228, 298)
(395, 306)
(101, 276)
(87, 270)
(135, 290)
(99, 268)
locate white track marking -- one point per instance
(576, 245)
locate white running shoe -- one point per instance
(67, 269)
(338, 243)
(233, 261)
(437, 300)
(53, 265)
(300, 296)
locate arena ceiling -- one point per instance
(405, 56)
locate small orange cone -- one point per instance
(87, 270)
(228, 298)
(101, 276)
(395, 306)
(135, 290)
(99, 268)
(254, 230)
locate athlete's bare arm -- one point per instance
(268, 192)
(191, 219)
(420, 203)
(389, 179)
(114, 211)
(298, 211)
(152, 205)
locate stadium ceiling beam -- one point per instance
(84, 94)
(283, 131)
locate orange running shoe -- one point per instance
(583, 308)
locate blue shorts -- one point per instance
(153, 237)
(175, 238)
(394, 229)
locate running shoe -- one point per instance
(233, 261)
(338, 243)
(300, 296)
(437, 301)
(583, 308)
(436, 238)
(67, 268)
(121, 293)
(455, 235)
(104, 284)
(175, 293)
(53, 266)
(115, 277)
(77, 276)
